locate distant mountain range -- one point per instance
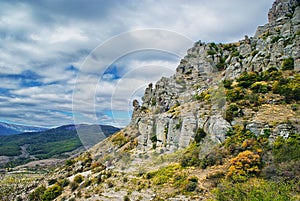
(10, 129)
(60, 142)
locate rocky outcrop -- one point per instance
(170, 113)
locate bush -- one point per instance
(256, 189)
(287, 149)
(153, 139)
(289, 88)
(211, 52)
(164, 174)
(243, 166)
(288, 64)
(247, 79)
(37, 194)
(52, 192)
(52, 181)
(260, 87)
(73, 186)
(191, 186)
(270, 75)
(69, 162)
(200, 134)
(231, 112)
(63, 182)
(235, 94)
(236, 136)
(78, 179)
(126, 198)
(227, 84)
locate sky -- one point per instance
(84, 61)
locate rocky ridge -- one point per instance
(170, 115)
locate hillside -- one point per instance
(58, 142)
(225, 126)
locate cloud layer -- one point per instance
(45, 48)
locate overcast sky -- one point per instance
(47, 50)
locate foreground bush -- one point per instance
(245, 165)
(52, 192)
(257, 189)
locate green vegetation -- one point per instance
(211, 52)
(200, 134)
(235, 94)
(260, 87)
(287, 149)
(153, 139)
(251, 86)
(288, 64)
(47, 144)
(232, 111)
(52, 192)
(120, 139)
(256, 189)
(227, 84)
(78, 179)
(42, 145)
(164, 174)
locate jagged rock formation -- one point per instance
(170, 116)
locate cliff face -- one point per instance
(171, 115)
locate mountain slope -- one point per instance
(10, 129)
(54, 142)
(224, 127)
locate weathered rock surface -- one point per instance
(170, 111)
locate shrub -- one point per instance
(126, 198)
(63, 182)
(270, 75)
(235, 53)
(200, 134)
(120, 139)
(153, 139)
(78, 179)
(243, 166)
(260, 87)
(231, 112)
(37, 194)
(52, 192)
(275, 39)
(227, 84)
(164, 174)
(287, 149)
(254, 53)
(255, 189)
(52, 181)
(288, 64)
(236, 136)
(190, 186)
(235, 94)
(247, 79)
(294, 107)
(73, 186)
(69, 162)
(289, 88)
(211, 52)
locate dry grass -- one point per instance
(275, 114)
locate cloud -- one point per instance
(45, 51)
